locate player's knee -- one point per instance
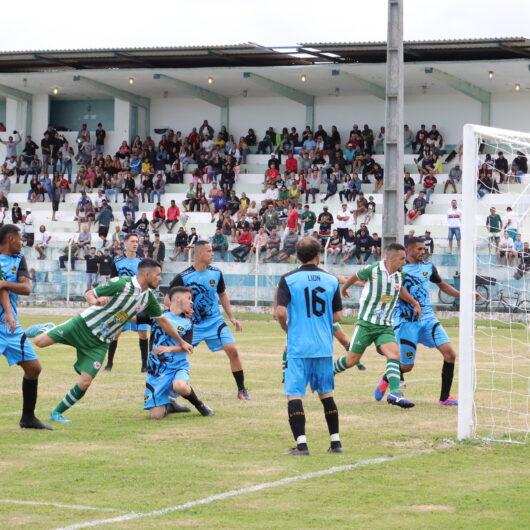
(157, 413)
(85, 380)
(449, 355)
(181, 387)
(231, 351)
(32, 369)
(406, 368)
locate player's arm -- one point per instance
(23, 284)
(407, 297)
(168, 328)
(102, 294)
(225, 302)
(352, 280)
(339, 334)
(282, 297)
(337, 306)
(9, 319)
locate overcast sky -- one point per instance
(140, 23)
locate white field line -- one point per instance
(252, 489)
(57, 505)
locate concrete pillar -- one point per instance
(40, 116)
(122, 125)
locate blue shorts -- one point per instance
(317, 371)
(215, 334)
(428, 332)
(15, 346)
(454, 231)
(133, 326)
(159, 380)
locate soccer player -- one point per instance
(427, 330)
(208, 288)
(382, 286)
(127, 265)
(168, 367)
(308, 302)
(15, 281)
(111, 306)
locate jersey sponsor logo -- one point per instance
(121, 316)
(146, 398)
(409, 355)
(180, 329)
(115, 279)
(14, 270)
(386, 299)
(425, 274)
(97, 365)
(212, 283)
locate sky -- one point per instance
(140, 23)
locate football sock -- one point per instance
(401, 378)
(112, 350)
(295, 410)
(193, 399)
(29, 397)
(392, 374)
(239, 376)
(73, 396)
(332, 416)
(144, 345)
(340, 365)
(448, 371)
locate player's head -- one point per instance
(149, 272)
(131, 243)
(181, 300)
(416, 246)
(203, 252)
(11, 239)
(394, 257)
(308, 250)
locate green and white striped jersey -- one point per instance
(126, 300)
(380, 294)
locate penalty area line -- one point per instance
(251, 489)
(58, 505)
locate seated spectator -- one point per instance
(519, 166)
(4, 203)
(271, 218)
(74, 256)
(141, 227)
(378, 176)
(42, 242)
(506, 250)
(408, 137)
(244, 241)
(159, 187)
(409, 186)
(325, 220)
(128, 224)
(259, 244)
(368, 167)
(173, 216)
(518, 246)
(272, 245)
(159, 217)
(181, 241)
(348, 247)
(429, 185)
(426, 167)
(289, 245)
(193, 237)
(524, 262)
(313, 184)
(376, 246)
(335, 246)
(501, 167)
(147, 186)
(84, 240)
(332, 186)
(233, 203)
(220, 243)
(16, 213)
(218, 204)
(419, 204)
(361, 209)
(454, 177)
(363, 246)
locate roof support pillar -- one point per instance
(24, 104)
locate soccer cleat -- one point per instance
(205, 410)
(243, 394)
(361, 367)
(400, 400)
(380, 389)
(335, 447)
(173, 407)
(33, 423)
(449, 402)
(298, 452)
(57, 416)
(108, 368)
(143, 370)
(37, 329)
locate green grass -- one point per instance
(112, 456)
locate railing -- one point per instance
(69, 268)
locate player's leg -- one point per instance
(448, 371)
(182, 387)
(296, 379)
(72, 396)
(359, 342)
(237, 369)
(143, 342)
(111, 352)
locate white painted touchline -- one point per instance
(57, 505)
(251, 489)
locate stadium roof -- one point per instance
(251, 54)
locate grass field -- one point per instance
(400, 468)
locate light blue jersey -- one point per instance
(11, 269)
(124, 266)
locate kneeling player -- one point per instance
(168, 368)
(426, 330)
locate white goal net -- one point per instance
(494, 374)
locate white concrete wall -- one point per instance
(40, 113)
(121, 132)
(511, 111)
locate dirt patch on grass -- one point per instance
(413, 442)
(432, 508)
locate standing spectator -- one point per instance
(104, 218)
(408, 137)
(343, 220)
(506, 251)
(206, 130)
(259, 243)
(100, 139)
(454, 223)
(292, 218)
(362, 208)
(5, 184)
(92, 268)
(29, 151)
(11, 145)
(181, 241)
(16, 213)
(29, 229)
(56, 194)
(271, 218)
(309, 219)
(429, 245)
(105, 265)
(43, 240)
(510, 222)
(173, 215)
(157, 249)
(159, 187)
(245, 242)
(325, 220)
(501, 167)
(419, 206)
(313, 185)
(46, 151)
(192, 241)
(220, 243)
(455, 175)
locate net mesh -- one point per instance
(502, 353)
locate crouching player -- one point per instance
(168, 368)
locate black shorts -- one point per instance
(103, 231)
(55, 206)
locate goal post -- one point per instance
(494, 358)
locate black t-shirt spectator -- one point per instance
(100, 136)
(142, 225)
(420, 204)
(501, 164)
(92, 263)
(30, 148)
(520, 162)
(105, 265)
(46, 145)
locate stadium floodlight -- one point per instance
(494, 364)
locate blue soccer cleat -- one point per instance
(57, 416)
(400, 400)
(37, 329)
(380, 389)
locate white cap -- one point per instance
(28, 210)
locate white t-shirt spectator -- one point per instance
(345, 222)
(28, 224)
(511, 218)
(271, 194)
(454, 218)
(43, 238)
(506, 244)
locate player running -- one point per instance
(308, 302)
(208, 288)
(382, 286)
(427, 330)
(111, 306)
(127, 265)
(15, 281)
(168, 369)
